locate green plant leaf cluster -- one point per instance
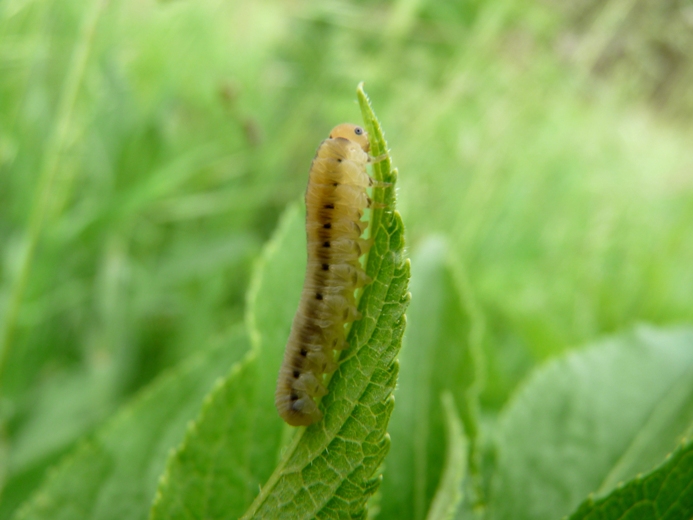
(231, 449)
(328, 469)
(114, 474)
(447, 325)
(609, 412)
(148, 150)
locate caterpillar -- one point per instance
(335, 199)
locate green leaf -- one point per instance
(592, 419)
(62, 413)
(218, 445)
(664, 494)
(234, 445)
(114, 475)
(440, 354)
(63, 408)
(328, 469)
(449, 495)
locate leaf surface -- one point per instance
(592, 419)
(449, 494)
(664, 494)
(114, 474)
(440, 354)
(328, 469)
(234, 444)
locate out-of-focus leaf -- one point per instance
(234, 444)
(592, 419)
(66, 406)
(664, 494)
(449, 494)
(440, 354)
(114, 474)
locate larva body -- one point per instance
(335, 200)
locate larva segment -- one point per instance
(335, 199)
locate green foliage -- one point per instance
(147, 151)
(447, 499)
(327, 469)
(440, 354)
(115, 473)
(212, 474)
(608, 412)
(662, 494)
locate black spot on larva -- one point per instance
(326, 244)
(304, 352)
(318, 296)
(339, 160)
(329, 206)
(335, 184)
(325, 267)
(327, 226)
(293, 397)
(296, 374)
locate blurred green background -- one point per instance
(148, 148)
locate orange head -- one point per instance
(352, 132)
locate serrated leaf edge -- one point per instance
(383, 172)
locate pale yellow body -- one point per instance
(335, 200)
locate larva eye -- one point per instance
(358, 130)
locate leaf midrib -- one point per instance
(380, 233)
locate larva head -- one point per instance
(352, 132)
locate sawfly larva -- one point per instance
(335, 199)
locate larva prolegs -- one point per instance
(308, 383)
(378, 184)
(377, 159)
